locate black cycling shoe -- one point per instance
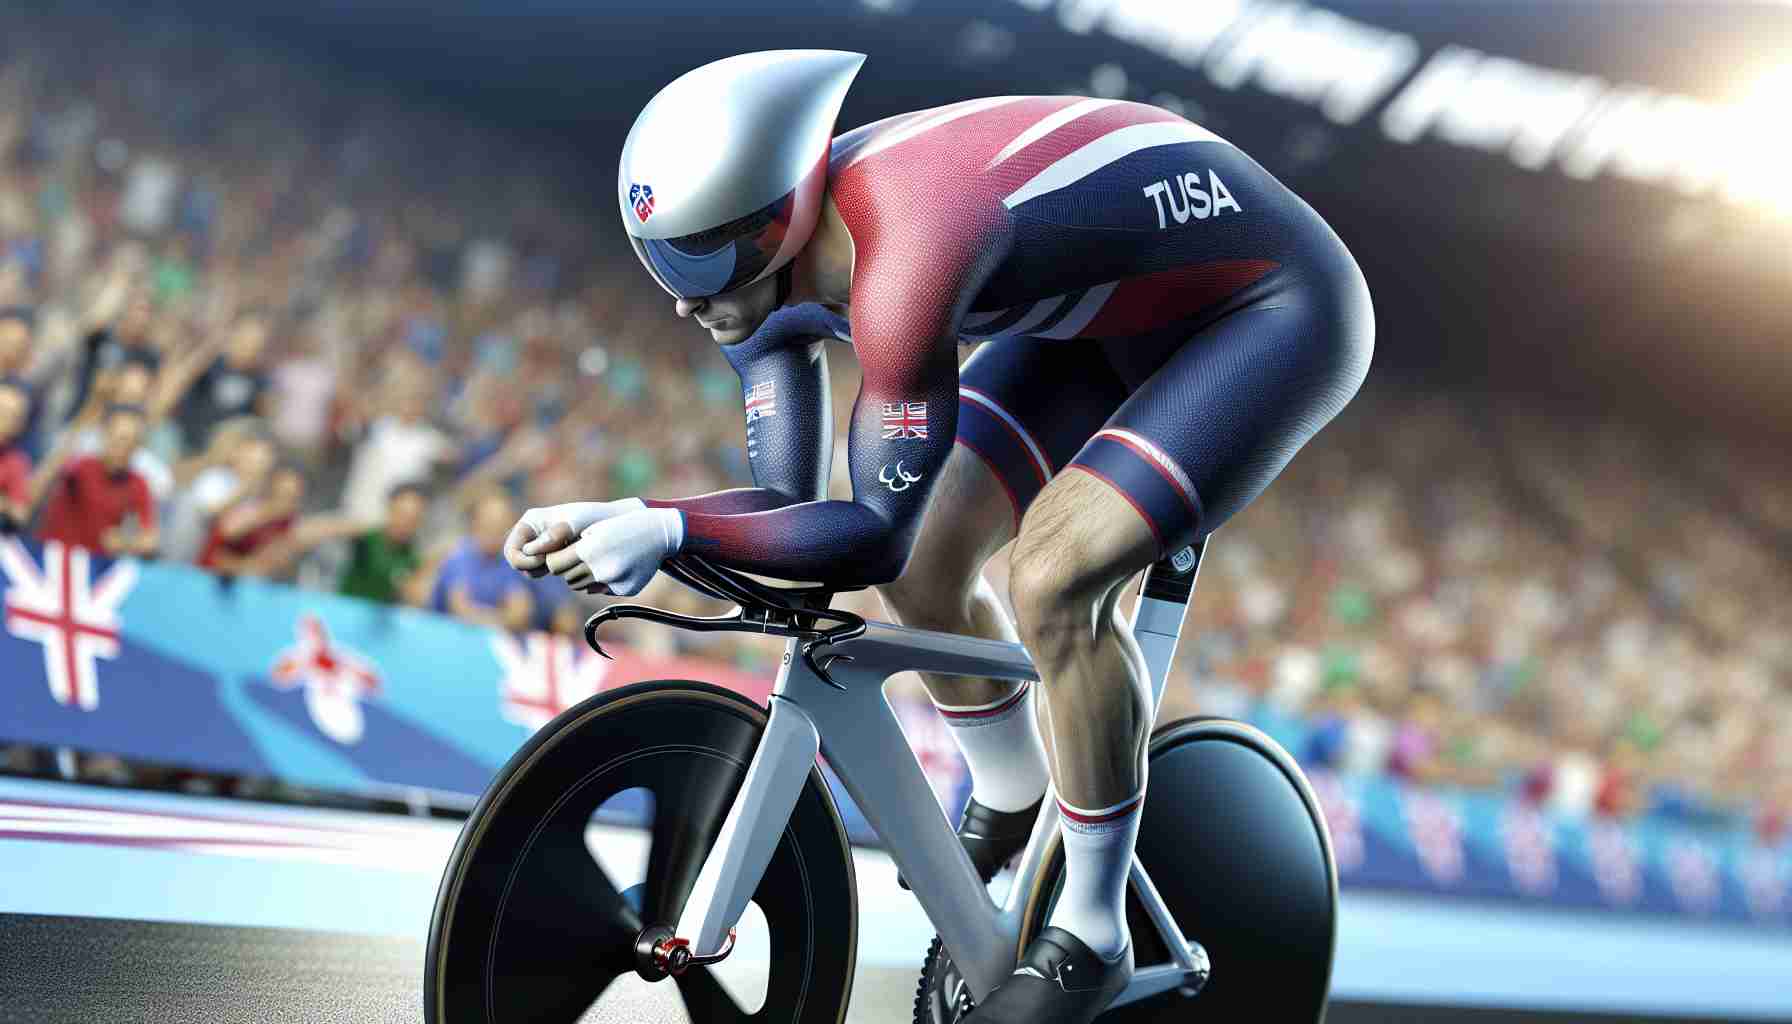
(992, 838)
(1059, 981)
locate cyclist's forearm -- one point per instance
(842, 540)
(734, 501)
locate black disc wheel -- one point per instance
(1233, 839)
(529, 925)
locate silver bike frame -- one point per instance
(848, 719)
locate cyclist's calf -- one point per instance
(1079, 543)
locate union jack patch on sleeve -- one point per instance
(762, 400)
(905, 421)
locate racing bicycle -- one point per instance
(1232, 901)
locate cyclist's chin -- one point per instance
(732, 332)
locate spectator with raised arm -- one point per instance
(240, 532)
(111, 342)
(131, 383)
(268, 536)
(98, 501)
(401, 446)
(232, 470)
(235, 383)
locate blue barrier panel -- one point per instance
(165, 663)
(168, 664)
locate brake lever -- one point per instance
(850, 628)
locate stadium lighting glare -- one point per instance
(1772, 91)
(1761, 106)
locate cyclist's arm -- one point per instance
(790, 428)
(904, 328)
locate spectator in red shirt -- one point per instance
(267, 536)
(241, 535)
(98, 502)
(15, 461)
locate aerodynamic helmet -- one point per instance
(722, 174)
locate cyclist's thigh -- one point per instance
(1210, 428)
(1025, 408)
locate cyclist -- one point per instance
(1162, 326)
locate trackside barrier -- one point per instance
(166, 664)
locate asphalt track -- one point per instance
(83, 970)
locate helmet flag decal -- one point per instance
(641, 198)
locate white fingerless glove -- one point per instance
(579, 514)
(623, 552)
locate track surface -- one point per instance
(83, 970)
(95, 969)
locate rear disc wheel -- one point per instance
(528, 924)
(1233, 838)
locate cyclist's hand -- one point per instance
(543, 531)
(620, 555)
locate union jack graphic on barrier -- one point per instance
(1435, 827)
(543, 676)
(905, 421)
(1617, 863)
(1693, 875)
(74, 616)
(1530, 847)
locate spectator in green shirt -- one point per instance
(383, 560)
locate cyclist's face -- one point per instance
(733, 316)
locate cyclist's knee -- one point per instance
(1054, 589)
(1079, 543)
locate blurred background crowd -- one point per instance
(281, 325)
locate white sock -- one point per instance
(1000, 743)
(1097, 859)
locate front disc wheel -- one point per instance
(529, 925)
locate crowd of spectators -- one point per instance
(1586, 612)
(258, 320)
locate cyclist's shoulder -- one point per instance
(966, 128)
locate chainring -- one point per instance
(941, 996)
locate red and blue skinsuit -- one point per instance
(1157, 311)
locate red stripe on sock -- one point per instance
(1100, 819)
(990, 712)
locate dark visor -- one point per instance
(721, 259)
